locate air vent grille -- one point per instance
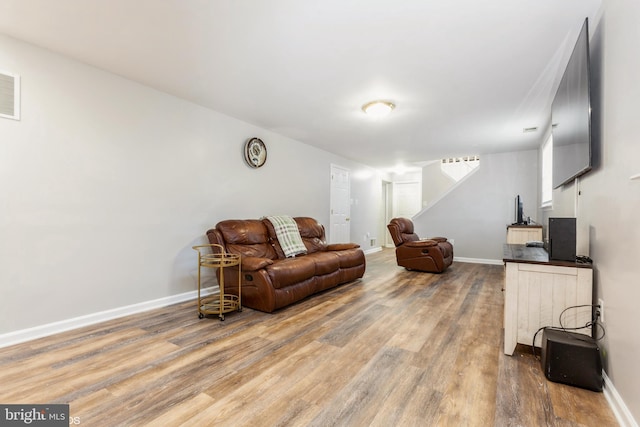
(9, 96)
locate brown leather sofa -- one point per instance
(432, 255)
(269, 279)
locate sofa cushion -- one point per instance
(350, 258)
(289, 271)
(325, 262)
(312, 233)
(248, 237)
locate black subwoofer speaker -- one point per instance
(571, 358)
(562, 239)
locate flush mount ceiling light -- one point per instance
(378, 108)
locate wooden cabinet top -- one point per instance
(531, 255)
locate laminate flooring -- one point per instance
(396, 348)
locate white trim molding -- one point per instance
(373, 250)
(479, 260)
(620, 410)
(36, 332)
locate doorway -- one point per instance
(387, 213)
(340, 205)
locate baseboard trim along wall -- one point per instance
(479, 260)
(620, 410)
(373, 250)
(36, 332)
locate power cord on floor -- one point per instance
(593, 322)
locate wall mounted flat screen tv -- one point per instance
(571, 116)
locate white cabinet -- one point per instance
(536, 294)
(521, 234)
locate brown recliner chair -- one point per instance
(432, 255)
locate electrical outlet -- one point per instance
(601, 304)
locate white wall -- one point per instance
(608, 202)
(477, 212)
(435, 183)
(106, 184)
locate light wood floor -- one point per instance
(397, 348)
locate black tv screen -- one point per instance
(571, 116)
(519, 213)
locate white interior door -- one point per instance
(340, 231)
(406, 199)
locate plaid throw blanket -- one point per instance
(288, 235)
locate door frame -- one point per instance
(347, 203)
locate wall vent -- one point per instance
(9, 96)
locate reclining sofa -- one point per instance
(270, 280)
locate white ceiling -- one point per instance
(466, 75)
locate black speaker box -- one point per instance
(571, 358)
(562, 239)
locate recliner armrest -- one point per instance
(421, 243)
(251, 263)
(438, 239)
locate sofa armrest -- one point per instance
(342, 246)
(421, 243)
(252, 263)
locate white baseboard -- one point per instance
(373, 250)
(620, 410)
(29, 334)
(479, 260)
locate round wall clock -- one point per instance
(255, 152)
